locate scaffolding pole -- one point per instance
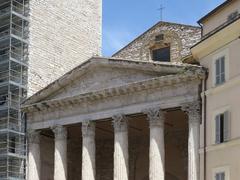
(13, 87)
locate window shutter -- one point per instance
(223, 176)
(226, 126)
(217, 68)
(222, 69)
(217, 130)
(220, 176)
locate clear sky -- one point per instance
(124, 20)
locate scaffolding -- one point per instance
(13, 87)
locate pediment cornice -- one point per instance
(155, 68)
(163, 81)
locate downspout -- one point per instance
(205, 127)
(201, 28)
(204, 118)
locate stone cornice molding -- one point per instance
(33, 136)
(193, 111)
(155, 116)
(166, 81)
(120, 123)
(168, 68)
(88, 129)
(60, 132)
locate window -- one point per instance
(220, 176)
(162, 54)
(222, 127)
(220, 70)
(159, 37)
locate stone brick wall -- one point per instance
(62, 35)
(179, 37)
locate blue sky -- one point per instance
(124, 20)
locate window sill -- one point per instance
(217, 147)
(223, 87)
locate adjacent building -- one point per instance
(40, 40)
(218, 51)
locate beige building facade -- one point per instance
(219, 52)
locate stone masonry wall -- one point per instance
(179, 37)
(63, 34)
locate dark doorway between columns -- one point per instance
(47, 154)
(74, 152)
(138, 148)
(176, 145)
(104, 150)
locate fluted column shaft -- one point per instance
(156, 119)
(88, 151)
(34, 160)
(193, 139)
(60, 153)
(120, 148)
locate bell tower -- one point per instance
(62, 35)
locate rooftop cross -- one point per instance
(161, 11)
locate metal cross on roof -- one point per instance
(161, 11)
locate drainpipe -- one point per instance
(201, 28)
(205, 126)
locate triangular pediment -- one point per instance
(98, 78)
(102, 73)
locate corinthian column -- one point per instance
(60, 154)
(193, 113)
(156, 119)
(88, 151)
(120, 147)
(34, 161)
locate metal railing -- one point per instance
(4, 34)
(14, 76)
(10, 100)
(12, 124)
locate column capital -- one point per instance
(60, 132)
(120, 123)
(193, 111)
(33, 136)
(156, 116)
(88, 129)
